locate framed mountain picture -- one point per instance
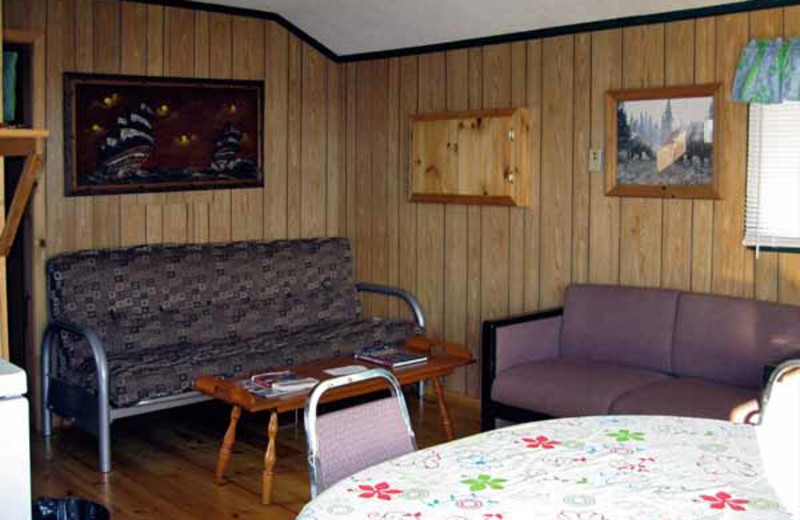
(130, 134)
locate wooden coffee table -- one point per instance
(444, 358)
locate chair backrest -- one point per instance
(346, 441)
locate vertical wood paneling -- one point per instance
(496, 90)
(728, 259)
(394, 180)
(640, 227)
(407, 212)
(363, 177)
(337, 152)
(676, 246)
(314, 122)
(430, 223)
(455, 225)
(516, 217)
(378, 240)
(351, 97)
(557, 141)
(581, 178)
(532, 214)
(295, 172)
(604, 211)
(277, 96)
(334, 133)
(474, 239)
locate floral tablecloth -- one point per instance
(590, 468)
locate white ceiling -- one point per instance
(356, 26)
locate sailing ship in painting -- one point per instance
(125, 151)
(130, 134)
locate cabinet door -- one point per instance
(498, 153)
(520, 159)
(476, 157)
(484, 156)
(433, 157)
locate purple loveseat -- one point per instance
(620, 350)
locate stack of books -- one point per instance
(273, 384)
(391, 357)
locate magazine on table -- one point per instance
(272, 384)
(391, 357)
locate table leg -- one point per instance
(227, 444)
(270, 457)
(446, 424)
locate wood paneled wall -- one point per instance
(337, 149)
(468, 264)
(303, 138)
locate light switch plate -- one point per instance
(595, 161)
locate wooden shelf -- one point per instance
(29, 143)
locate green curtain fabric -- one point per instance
(9, 85)
(768, 72)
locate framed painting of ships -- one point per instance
(663, 142)
(126, 134)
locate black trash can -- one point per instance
(68, 509)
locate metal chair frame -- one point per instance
(310, 414)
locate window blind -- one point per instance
(772, 213)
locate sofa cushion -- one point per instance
(685, 397)
(147, 373)
(566, 388)
(167, 294)
(619, 325)
(729, 340)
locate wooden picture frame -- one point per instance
(135, 134)
(670, 142)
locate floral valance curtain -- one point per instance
(768, 72)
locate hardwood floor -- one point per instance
(164, 462)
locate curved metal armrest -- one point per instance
(410, 299)
(793, 365)
(87, 333)
(51, 338)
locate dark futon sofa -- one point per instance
(621, 350)
(131, 328)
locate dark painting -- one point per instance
(132, 135)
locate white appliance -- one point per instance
(15, 458)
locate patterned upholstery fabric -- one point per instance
(170, 312)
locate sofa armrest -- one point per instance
(386, 290)
(52, 339)
(512, 341)
(521, 339)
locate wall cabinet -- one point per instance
(475, 157)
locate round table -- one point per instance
(588, 468)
